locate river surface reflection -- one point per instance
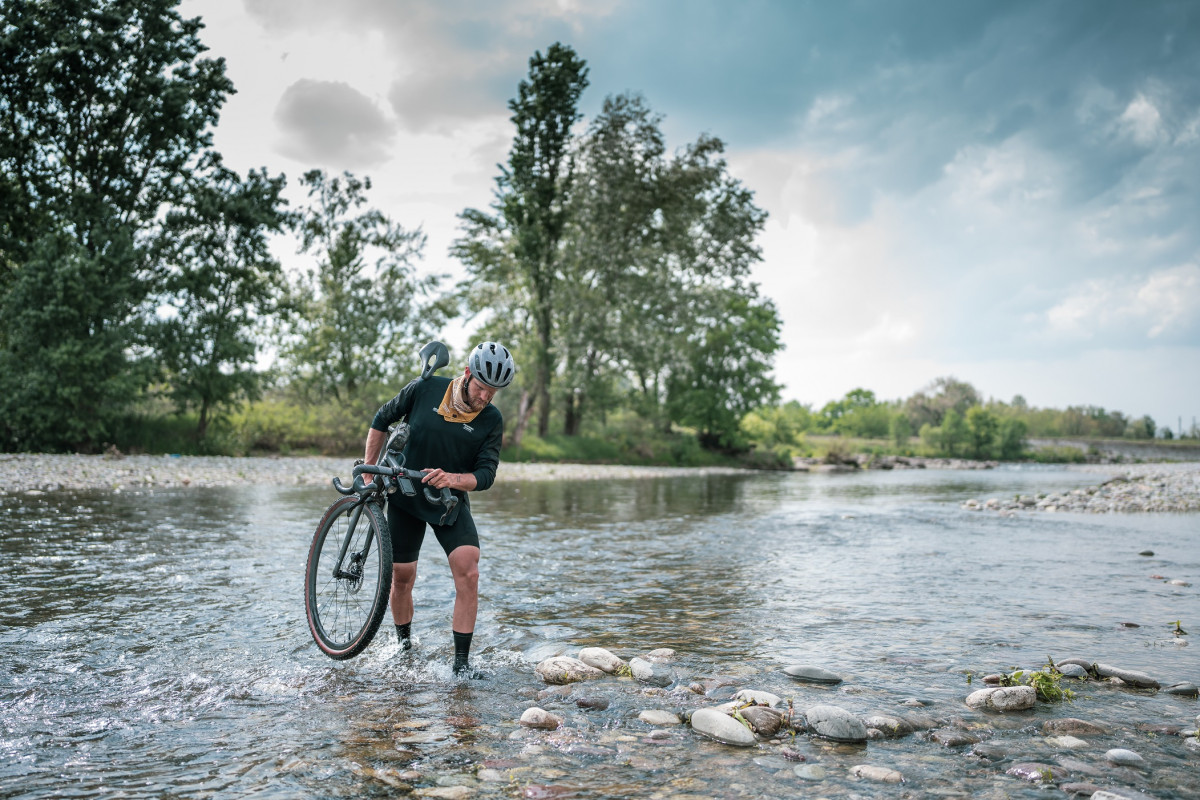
(155, 643)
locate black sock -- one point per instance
(462, 649)
(404, 635)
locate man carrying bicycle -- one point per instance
(455, 435)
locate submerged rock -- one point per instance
(601, 659)
(592, 703)
(653, 716)
(1073, 726)
(1067, 742)
(873, 773)
(812, 674)
(888, 726)
(809, 772)
(836, 724)
(1124, 758)
(952, 737)
(653, 674)
(722, 728)
(758, 698)
(1003, 698)
(1036, 771)
(1183, 690)
(564, 669)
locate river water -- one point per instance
(154, 644)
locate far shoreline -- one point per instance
(39, 474)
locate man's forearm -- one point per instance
(375, 442)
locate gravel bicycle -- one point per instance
(348, 576)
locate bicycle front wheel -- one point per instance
(348, 577)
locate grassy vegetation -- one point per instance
(280, 425)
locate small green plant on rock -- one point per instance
(1044, 681)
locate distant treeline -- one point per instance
(947, 418)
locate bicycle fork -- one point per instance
(338, 572)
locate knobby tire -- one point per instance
(344, 614)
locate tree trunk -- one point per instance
(202, 425)
(524, 412)
(572, 412)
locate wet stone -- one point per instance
(722, 728)
(647, 672)
(1072, 670)
(765, 721)
(540, 718)
(592, 703)
(1183, 690)
(809, 772)
(1079, 789)
(601, 659)
(990, 751)
(888, 726)
(812, 674)
(791, 754)
(653, 716)
(1003, 698)
(837, 724)
(1036, 771)
(1074, 727)
(564, 669)
(1139, 679)
(758, 698)
(879, 774)
(1066, 742)
(952, 737)
(773, 762)
(1124, 758)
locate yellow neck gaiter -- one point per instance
(453, 407)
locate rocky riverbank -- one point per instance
(23, 472)
(996, 727)
(1143, 487)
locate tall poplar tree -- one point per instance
(519, 247)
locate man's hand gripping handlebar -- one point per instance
(404, 479)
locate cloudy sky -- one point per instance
(1004, 192)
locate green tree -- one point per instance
(1010, 440)
(1144, 428)
(361, 311)
(900, 429)
(725, 370)
(612, 247)
(982, 427)
(105, 109)
(221, 283)
(519, 247)
(931, 403)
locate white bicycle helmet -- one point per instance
(492, 365)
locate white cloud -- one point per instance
(1162, 305)
(1142, 122)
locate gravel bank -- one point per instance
(1120, 489)
(23, 472)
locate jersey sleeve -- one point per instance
(488, 459)
(397, 408)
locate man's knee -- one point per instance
(464, 564)
(404, 575)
